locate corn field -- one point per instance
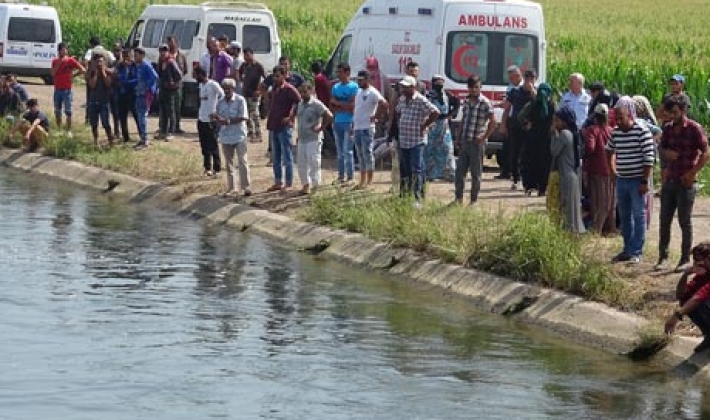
(632, 46)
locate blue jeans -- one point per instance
(632, 214)
(282, 156)
(344, 146)
(142, 107)
(62, 97)
(411, 170)
(363, 146)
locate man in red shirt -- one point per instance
(64, 68)
(694, 295)
(684, 148)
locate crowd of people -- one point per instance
(591, 155)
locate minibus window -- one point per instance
(153, 33)
(136, 34)
(218, 29)
(31, 30)
(257, 38)
(188, 34)
(173, 27)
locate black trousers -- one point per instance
(207, 131)
(516, 143)
(676, 197)
(126, 104)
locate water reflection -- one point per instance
(127, 309)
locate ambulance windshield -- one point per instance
(488, 55)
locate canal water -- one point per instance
(116, 311)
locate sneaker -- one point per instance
(140, 146)
(418, 205)
(704, 345)
(169, 137)
(683, 265)
(661, 265)
(621, 257)
(514, 186)
(634, 260)
(179, 131)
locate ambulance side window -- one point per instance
(340, 55)
(258, 38)
(520, 51)
(153, 33)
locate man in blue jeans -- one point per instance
(631, 152)
(369, 104)
(414, 115)
(146, 79)
(282, 113)
(342, 103)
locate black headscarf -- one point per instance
(569, 117)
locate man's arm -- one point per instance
(504, 119)
(491, 128)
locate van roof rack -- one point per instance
(242, 4)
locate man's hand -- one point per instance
(643, 188)
(286, 121)
(480, 140)
(671, 155)
(317, 128)
(670, 325)
(688, 180)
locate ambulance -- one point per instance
(453, 38)
(252, 24)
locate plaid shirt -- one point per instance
(411, 116)
(475, 117)
(689, 141)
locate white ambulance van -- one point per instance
(29, 35)
(252, 24)
(453, 38)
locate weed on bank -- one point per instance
(525, 246)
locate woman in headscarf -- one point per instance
(439, 152)
(645, 114)
(600, 184)
(565, 150)
(536, 118)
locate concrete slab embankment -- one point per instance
(582, 321)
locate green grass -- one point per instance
(525, 247)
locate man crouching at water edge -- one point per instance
(34, 125)
(694, 295)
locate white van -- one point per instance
(252, 24)
(29, 36)
(453, 38)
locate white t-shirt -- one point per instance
(210, 93)
(366, 102)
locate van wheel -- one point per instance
(47, 80)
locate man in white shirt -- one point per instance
(577, 98)
(369, 104)
(210, 93)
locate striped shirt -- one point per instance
(475, 116)
(634, 150)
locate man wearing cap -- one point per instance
(146, 81)
(576, 98)
(684, 148)
(170, 81)
(181, 61)
(600, 183)
(369, 103)
(235, 50)
(676, 84)
(414, 115)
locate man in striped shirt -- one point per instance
(631, 156)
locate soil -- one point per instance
(657, 288)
